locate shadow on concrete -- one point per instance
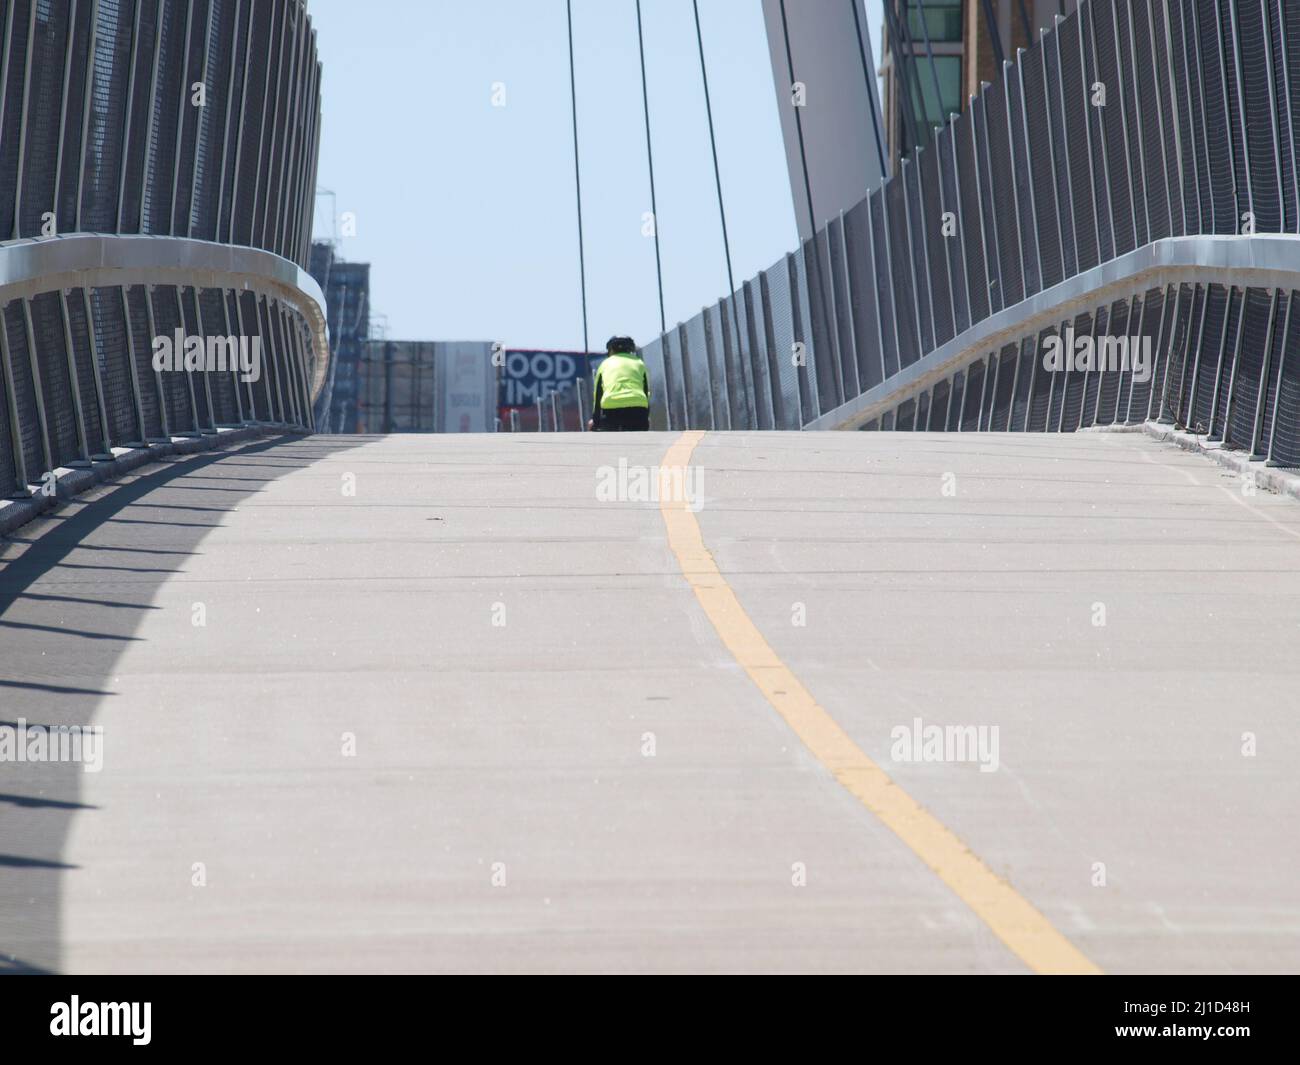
(69, 607)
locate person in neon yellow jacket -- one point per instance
(621, 403)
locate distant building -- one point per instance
(347, 297)
(964, 56)
(420, 386)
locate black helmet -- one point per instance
(620, 346)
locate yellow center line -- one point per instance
(1011, 917)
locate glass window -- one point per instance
(942, 20)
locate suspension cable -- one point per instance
(650, 158)
(577, 178)
(717, 174)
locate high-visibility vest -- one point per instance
(623, 382)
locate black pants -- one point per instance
(624, 420)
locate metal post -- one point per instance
(905, 168)
(961, 217)
(1029, 177)
(225, 133)
(1261, 392)
(20, 489)
(127, 128)
(164, 415)
(943, 210)
(107, 448)
(38, 387)
(57, 191)
(1241, 116)
(136, 394)
(180, 128)
(79, 415)
(189, 374)
(1277, 391)
(85, 107)
(1218, 370)
(1088, 110)
(853, 329)
(976, 126)
(875, 287)
(1065, 143)
(22, 129)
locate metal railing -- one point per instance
(157, 180)
(1131, 177)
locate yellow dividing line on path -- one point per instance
(1025, 931)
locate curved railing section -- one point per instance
(1109, 234)
(157, 182)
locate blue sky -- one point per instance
(467, 212)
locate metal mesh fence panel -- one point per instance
(79, 329)
(1285, 425)
(982, 179)
(953, 246)
(695, 370)
(1179, 178)
(140, 118)
(20, 364)
(142, 343)
(55, 377)
(201, 219)
(1004, 390)
(1002, 202)
(972, 226)
(1260, 134)
(175, 386)
(14, 65)
(922, 412)
(74, 106)
(104, 150)
(191, 118)
(970, 407)
(782, 306)
(200, 381)
(1214, 336)
(1079, 145)
(222, 383)
(1138, 397)
(1182, 359)
(766, 385)
(250, 323)
(1024, 375)
(1110, 353)
(1072, 382)
(1092, 379)
(1127, 175)
(1245, 374)
(905, 416)
(956, 400)
(807, 378)
(1282, 324)
(1278, 60)
(901, 272)
(883, 273)
(1105, 163)
(1026, 227)
(919, 252)
(700, 354)
(1213, 89)
(1147, 53)
(929, 218)
(864, 296)
(823, 366)
(39, 178)
(937, 418)
(1043, 166)
(1062, 159)
(8, 466)
(846, 376)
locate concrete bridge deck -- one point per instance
(475, 717)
